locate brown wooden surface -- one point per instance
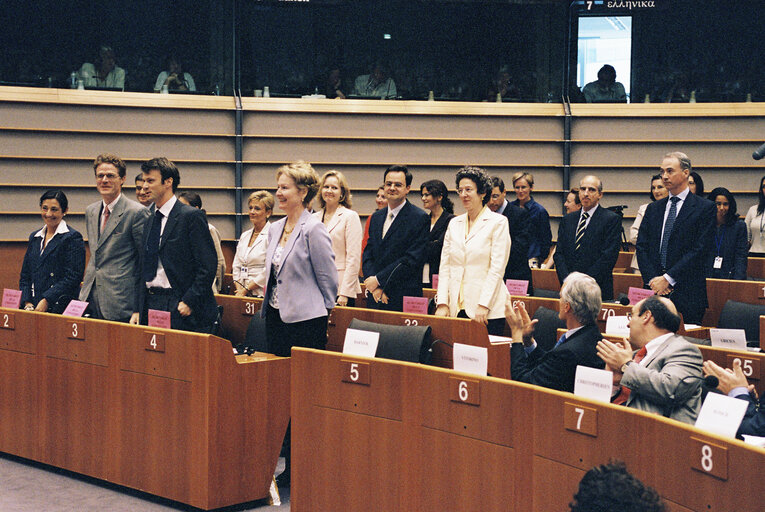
(451, 330)
(192, 423)
(719, 291)
(756, 268)
(403, 443)
(361, 298)
(237, 316)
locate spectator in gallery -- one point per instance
(755, 224)
(377, 84)
(503, 86)
(605, 89)
(572, 202)
(141, 196)
(333, 85)
(174, 77)
(658, 191)
(696, 184)
(104, 72)
(728, 259)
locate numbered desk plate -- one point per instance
(355, 372)
(580, 419)
(154, 341)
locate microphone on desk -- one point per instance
(759, 153)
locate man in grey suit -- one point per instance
(664, 375)
(115, 225)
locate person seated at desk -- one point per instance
(377, 84)
(502, 87)
(556, 369)
(729, 257)
(174, 78)
(333, 84)
(105, 72)
(664, 375)
(474, 256)
(605, 89)
(55, 259)
(249, 268)
(733, 383)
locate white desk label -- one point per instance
(617, 325)
(721, 414)
(728, 338)
(593, 383)
(470, 359)
(361, 343)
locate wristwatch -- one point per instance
(623, 369)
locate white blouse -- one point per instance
(755, 225)
(250, 261)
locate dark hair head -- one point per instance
(58, 195)
(139, 177)
(761, 196)
(165, 167)
(399, 168)
(496, 181)
(577, 199)
(732, 214)
(610, 487)
(699, 183)
(437, 188)
(663, 318)
(478, 176)
(192, 198)
(108, 158)
(607, 73)
(650, 190)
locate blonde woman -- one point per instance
(249, 269)
(344, 228)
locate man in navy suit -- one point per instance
(395, 252)
(588, 240)
(179, 262)
(674, 241)
(734, 384)
(518, 220)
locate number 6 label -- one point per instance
(464, 391)
(355, 372)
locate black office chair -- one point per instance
(255, 339)
(400, 342)
(546, 330)
(546, 294)
(739, 315)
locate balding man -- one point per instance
(674, 240)
(664, 375)
(588, 239)
(579, 307)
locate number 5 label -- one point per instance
(355, 372)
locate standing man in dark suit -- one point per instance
(579, 307)
(588, 240)
(115, 224)
(674, 241)
(395, 251)
(518, 220)
(179, 262)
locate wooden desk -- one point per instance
(237, 314)
(361, 298)
(451, 330)
(183, 418)
(404, 436)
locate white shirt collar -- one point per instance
(589, 213)
(653, 345)
(110, 205)
(395, 211)
(683, 195)
(168, 206)
(61, 229)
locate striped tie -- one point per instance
(580, 229)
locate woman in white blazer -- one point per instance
(475, 253)
(249, 269)
(344, 228)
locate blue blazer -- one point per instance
(54, 273)
(307, 277)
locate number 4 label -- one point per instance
(154, 341)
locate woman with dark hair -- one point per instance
(174, 77)
(658, 191)
(696, 184)
(474, 256)
(755, 224)
(193, 199)
(435, 199)
(571, 204)
(55, 259)
(728, 259)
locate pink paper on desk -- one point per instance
(434, 281)
(75, 308)
(635, 295)
(517, 286)
(417, 305)
(11, 298)
(159, 318)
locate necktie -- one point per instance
(151, 255)
(561, 340)
(668, 230)
(387, 223)
(104, 219)
(580, 229)
(624, 395)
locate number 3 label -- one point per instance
(76, 331)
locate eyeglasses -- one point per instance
(109, 177)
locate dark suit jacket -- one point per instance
(54, 273)
(436, 242)
(597, 253)
(556, 368)
(188, 256)
(397, 259)
(519, 222)
(753, 423)
(687, 252)
(734, 249)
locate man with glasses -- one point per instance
(395, 251)
(675, 239)
(112, 283)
